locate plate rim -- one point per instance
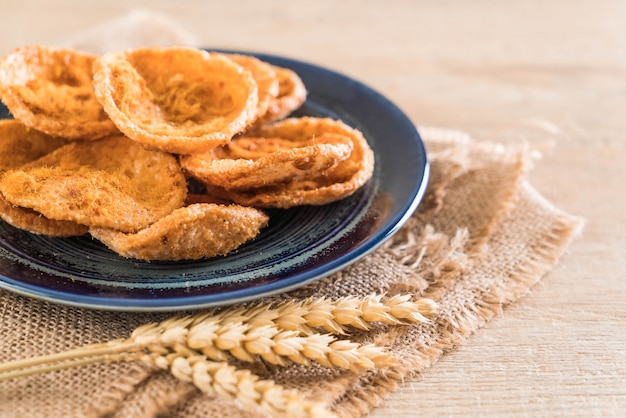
(247, 294)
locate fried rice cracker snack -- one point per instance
(291, 96)
(51, 90)
(19, 145)
(246, 163)
(36, 223)
(178, 99)
(328, 186)
(103, 145)
(201, 230)
(112, 182)
(265, 77)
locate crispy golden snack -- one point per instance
(19, 145)
(246, 163)
(266, 79)
(201, 230)
(252, 148)
(291, 95)
(51, 90)
(181, 100)
(36, 223)
(112, 182)
(330, 185)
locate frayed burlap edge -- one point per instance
(442, 336)
(366, 392)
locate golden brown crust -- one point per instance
(291, 96)
(112, 182)
(305, 158)
(51, 90)
(330, 185)
(20, 144)
(36, 223)
(201, 230)
(180, 100)
(265, 76)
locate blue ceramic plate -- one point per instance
(299, 246)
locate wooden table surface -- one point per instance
(552, 73)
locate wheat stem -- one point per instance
(103, 350)
(39, 368)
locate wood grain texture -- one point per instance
(552, 74)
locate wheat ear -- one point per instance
(219, 378)
(218, 341)
(333, 316)
(287, 331)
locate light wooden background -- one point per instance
(552, 73)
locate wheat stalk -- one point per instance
(286, 331)
(222, 379)
(273, 333)
(333, 316)
(196, 348)
(216, 340)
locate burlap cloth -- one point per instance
(481, 238)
